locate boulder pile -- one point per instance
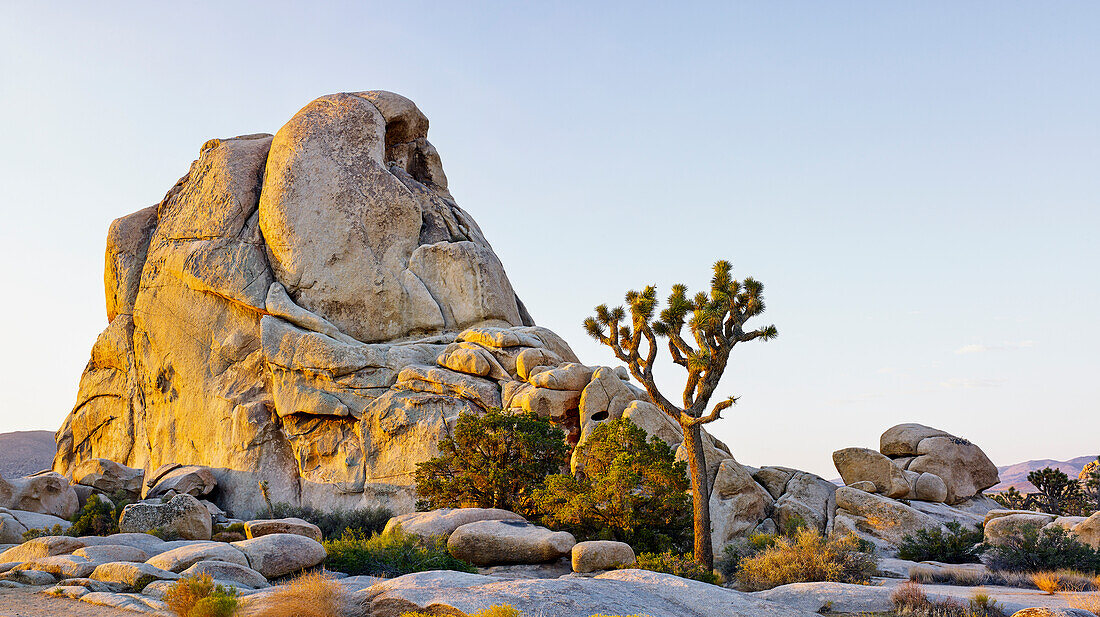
(920, 478)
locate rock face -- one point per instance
(108, 477)
(44, 493)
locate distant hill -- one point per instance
(25, 452)
(1016, 475)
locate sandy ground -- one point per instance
(28, 602)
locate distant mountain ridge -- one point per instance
(25, 452)
(1016, 475)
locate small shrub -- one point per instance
(333, 524)
(910, 600)
(958, 545)
(682, 565)
(808, 557)
(390, 554)
(1051, 548)
(497, 460)
(309, 595)
(1047, 582)
(31, 534)
(198, 596)
(96, 518)
(631, 489)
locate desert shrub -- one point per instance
(910, 600)
(682, 565)
(1035, 550)
(807, 557)
(1046, 582)
(392, 553)
(630, 489)
(969, 577)
(958, 545)
(198, 596)
(333, 523)
(729, 562)
(309, 595)
(31, 534)
(97, 518)
(497, 460)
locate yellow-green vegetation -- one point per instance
(806, 557)
(96, 518)
(910, 600)
(497, 460)
(628, 489)
(392, 553)
(198, 596)
(309, 595)
(332, 523)
(681, 565)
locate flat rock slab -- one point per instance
(224, 571)
(623, 592)
(258, 528)
(126, 601)
(131, 575)
(183, 557)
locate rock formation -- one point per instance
(307, 313)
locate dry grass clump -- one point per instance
(964, 577)
(910, 600)
(503, 611)
(1085, 601)
(807, 557)
(1047, 582)
(309, 595)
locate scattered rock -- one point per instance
(183, 557)
(809, 498)
(864, 465)
(131, 575)
(964, 468)
(226, 571)
(67, 591)
(279, 554)
(930, 487)
(109, 477)
(257, 528)
(485, 543)
(444, 521)
(111, 552)
(598, 555)
(61, 566)
(830, 598)
(877, 519)
(182, 516)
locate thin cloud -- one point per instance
(959, 382)
(1006, 346)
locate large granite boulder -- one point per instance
(44, 493)
(441, 523)
(596, 555)
(883, 522)
(962, 466)
(489, 543)
(260, 316)
(279, 554)
(737, 504)
(108, 477)
(864, 465)
(182, 516)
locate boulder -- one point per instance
(182, 516)
(150, 544)
(28, 577)
(46, 546)
(35, 520)
(255, 529)
(1053, 612)
(774, 479)
(436, 380)
(605, 397)
(44, 493)
(226, 571)
(544, 402)
(535, 357)
(806, 498)
(61, 566)
(442, 522)
(1088, 530)
(737, 504)
(131, 575)
(194, 480)
(965, 469)
(828, 598)
(108, 477)
(568, 376)
(930, 487)
(487, 543)
(618, 592)
(882, 521)
(104, 553)
(596, 555)
(279, 554)
(657, 423)
(864, 485)
(902, 440)
(999, 529)
(864, 465)
(11, 530)
(183, 557)
(466, 358)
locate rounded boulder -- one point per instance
(490, 543)
(598, 555)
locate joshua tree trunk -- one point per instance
(700, 491)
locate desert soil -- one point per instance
(29, 602)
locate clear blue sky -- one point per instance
(918, 184)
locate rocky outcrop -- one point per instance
(44, 493)
(182, 516)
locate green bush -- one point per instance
(958, 545)
(198, 596)
(389, 554)
(627, 489)
(678, 564)
(497, 460)
(1035, 550)
(333, 524)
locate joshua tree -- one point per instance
(716, 322)
(1057, 493)
(1089, 479)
